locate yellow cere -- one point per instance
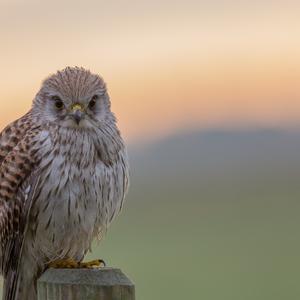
(77, 106)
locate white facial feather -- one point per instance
(70, 87)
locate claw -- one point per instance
(98, 263)
(72, 264)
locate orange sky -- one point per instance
(168, 66)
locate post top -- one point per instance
(100, 277)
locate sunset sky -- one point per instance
(169, 65)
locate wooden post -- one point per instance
(85, 284)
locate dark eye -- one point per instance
(58, 102)
(93, 101)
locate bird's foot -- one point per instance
(70, 263)
(94, 264)
(67, 263)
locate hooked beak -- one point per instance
(77, 112)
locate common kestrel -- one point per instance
(63, 179)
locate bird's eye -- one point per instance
(58, 102)
(93, 101)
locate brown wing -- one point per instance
(13, 133)
(12, 250)
(18, 175)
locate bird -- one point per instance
(64, 175)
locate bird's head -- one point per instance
(73, 98)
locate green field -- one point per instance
(212, 216)
(229, 245)
(202, 227)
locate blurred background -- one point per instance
(208, 99)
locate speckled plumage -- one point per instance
(62, 182)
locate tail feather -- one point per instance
(10, 286)
(19, 282)
(21, 285)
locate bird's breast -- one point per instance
(77, 197)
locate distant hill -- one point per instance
(219, 155)
(220, 206)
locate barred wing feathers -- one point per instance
(18, 177)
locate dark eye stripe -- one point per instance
(58, 102)
(93, 101)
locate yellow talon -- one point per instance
(98, 263)
(70, 263)
(64, 264)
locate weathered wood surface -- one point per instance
(85, 284)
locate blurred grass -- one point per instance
(229, 243)
(227, 229)
(176, 243)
